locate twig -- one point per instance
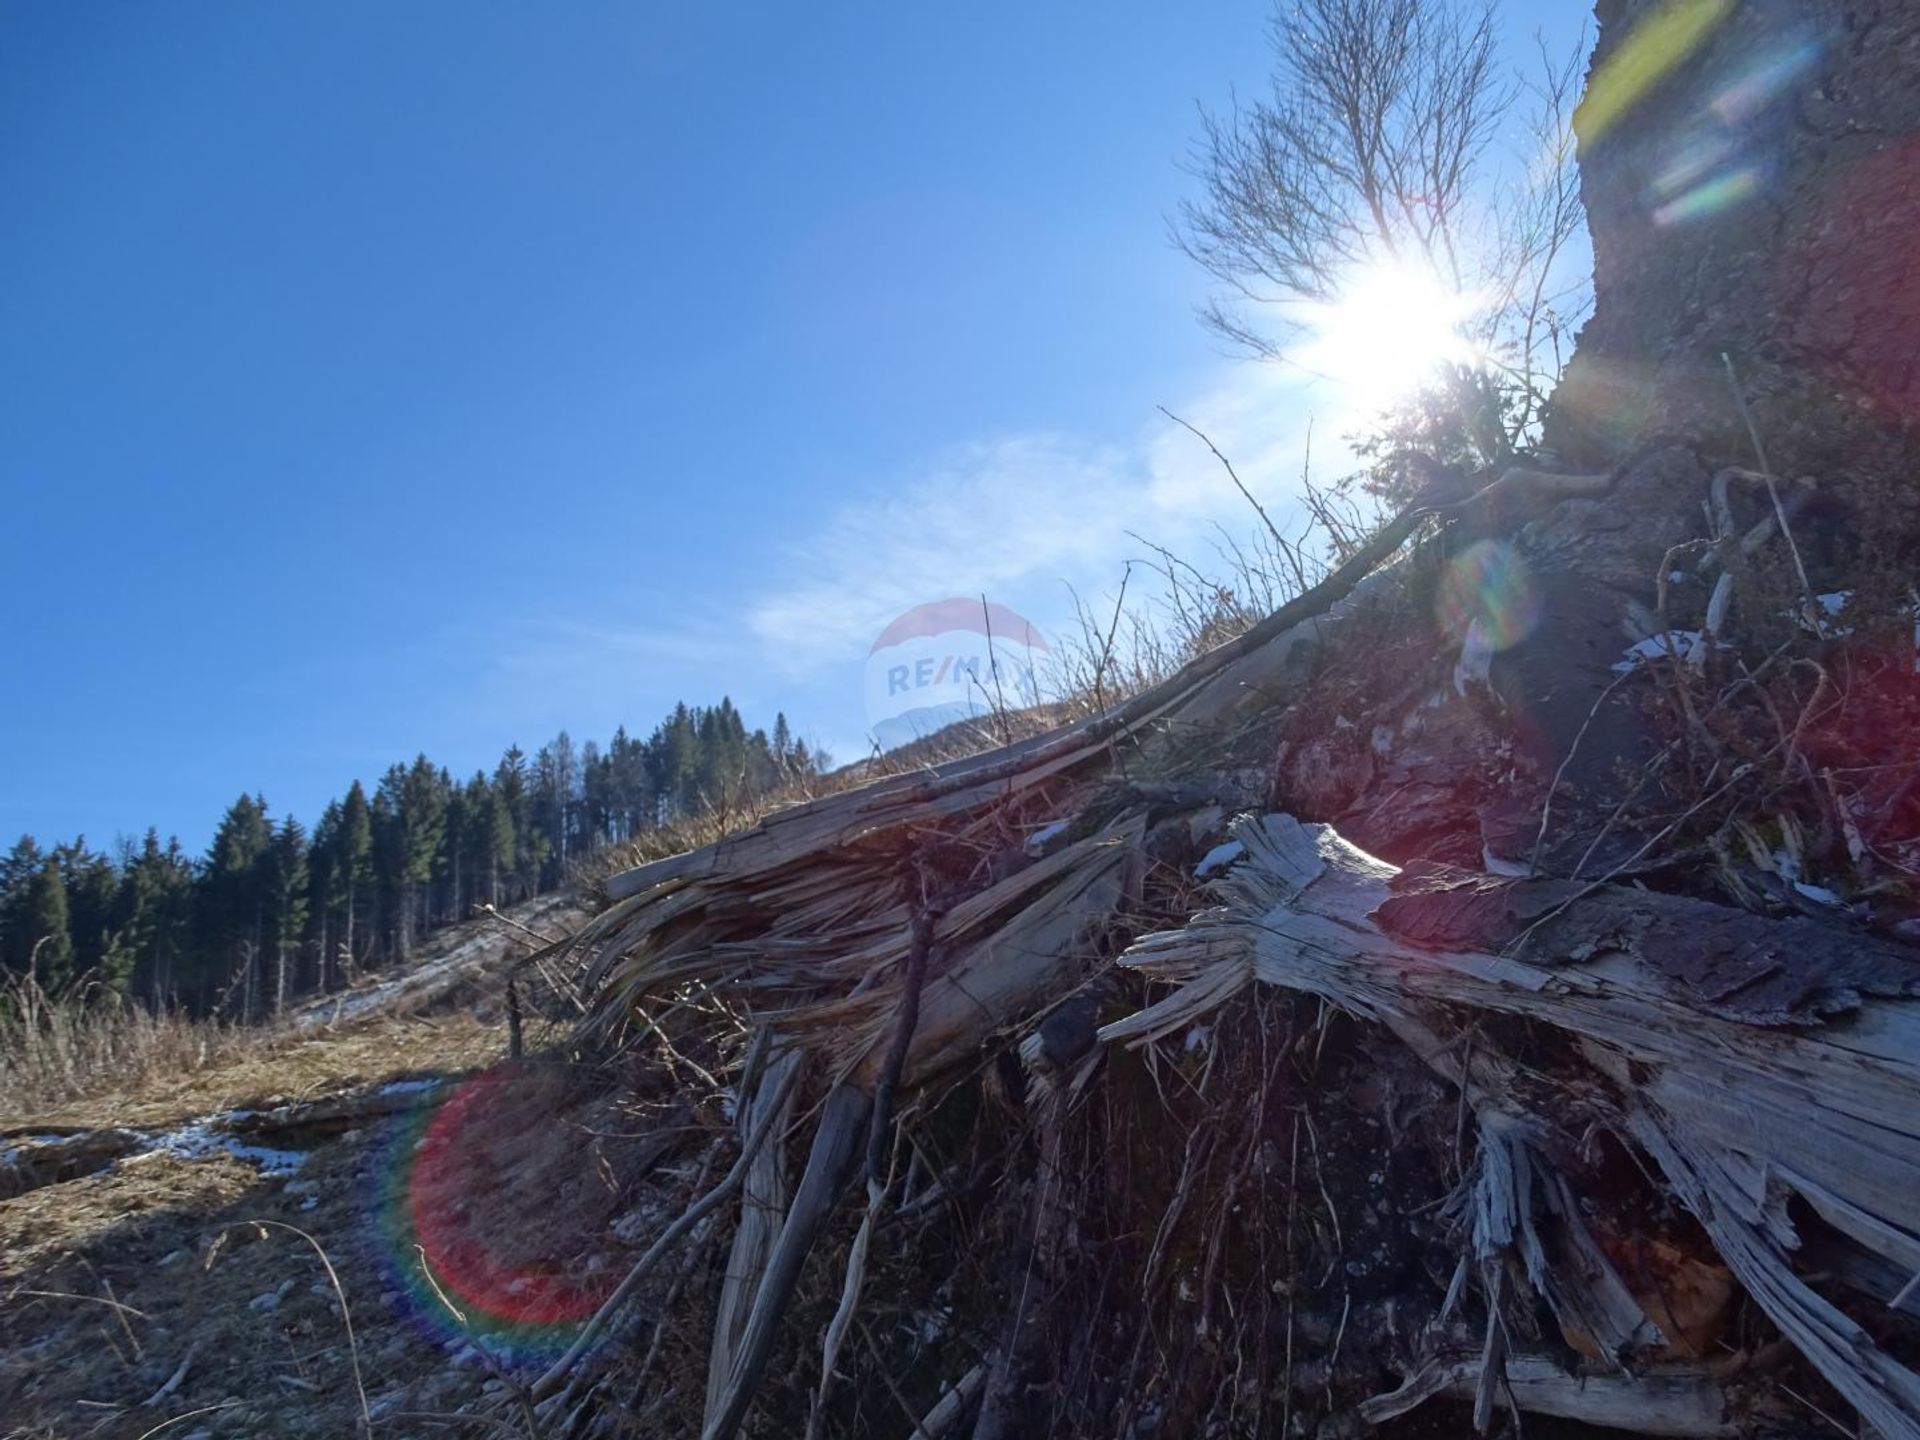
(426, 1270)
(1106, 649)
(1238, 484)
(911, 984)
(547, 941)
(346, 1315)
(993, 668)
(1773, 493)
(556, 1374)
(450, 1417)
(879, 1133)
(1546, 804)
(173, 1381)
(203, 1410)
(1514, 946)
(90, 1299)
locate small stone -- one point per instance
(260, 1304)
(301, 1187)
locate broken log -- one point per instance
(1737, 1109)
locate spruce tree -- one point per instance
(158, 890)
(410, 823)
(287, 905)
(353, 868)
(231, 904)
(48, 936)
(521, 859)
(95, 914)
(17, 869)
(323, 892)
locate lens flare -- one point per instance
(1723, 192)
(1658, 45)
(1489, 590)
(1764, 81)
(1721, 158)
(468, 1266)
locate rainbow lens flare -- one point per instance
(470, 1262)
(1658, 45)
(1488, 588)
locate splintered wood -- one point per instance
(1738, 1118)
(1761, 1075)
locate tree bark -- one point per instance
(1757, 200)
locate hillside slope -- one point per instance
(161, 1247)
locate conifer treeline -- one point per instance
(272, 911)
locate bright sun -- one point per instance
(1386, 335)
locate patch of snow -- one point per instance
(200, 1140)
(1475, 664)
(1196, 1037)
(1511, 869)
(1654, 647)
(1218, 858)
(410, 1087)
(465, 949)
(1039, 840)
(1819, 894)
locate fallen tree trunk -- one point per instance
(1761, 1073)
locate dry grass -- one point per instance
(86, 1056)
(61, 1047)
(274, 1066)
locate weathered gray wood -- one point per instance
(1659, 1402)
(763, 1208)
(836, 1146)
(1735, 1114)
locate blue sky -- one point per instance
(380, 378)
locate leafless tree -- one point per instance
(1386, 140)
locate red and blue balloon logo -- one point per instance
(949, 661)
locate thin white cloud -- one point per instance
(1021, 516)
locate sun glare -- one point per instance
(1393, 326)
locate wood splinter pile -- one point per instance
(1305, 1145)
